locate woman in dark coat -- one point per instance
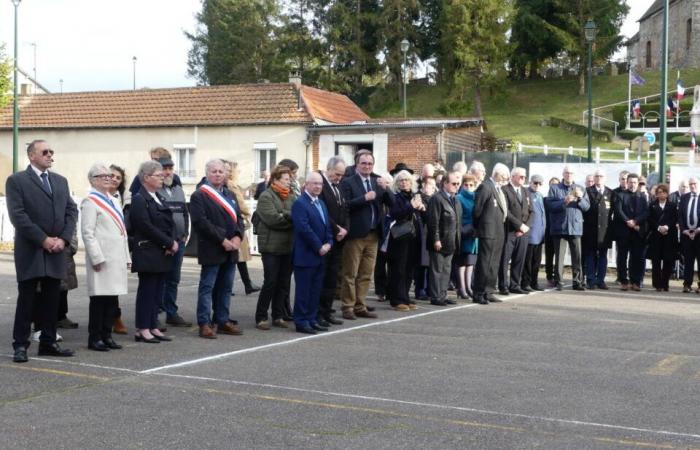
(467, 254)
(662, 238)
(154, 245)
(403, 249)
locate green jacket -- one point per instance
(275, 231)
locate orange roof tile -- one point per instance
(274, 103)
(331, 107)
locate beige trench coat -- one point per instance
(244, 252)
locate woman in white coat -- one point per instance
(107, 257)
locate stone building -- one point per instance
(644, 48)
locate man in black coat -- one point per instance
(489, 216)
(616, 221)
(689, 219)
(596, 240)
(338, 215)
(518, 223)
(632, 210)
(443, 238)
(44, 216)
(260, 187)
(217, 219)
(365, 196)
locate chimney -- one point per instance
(295, 78)
(24, 89)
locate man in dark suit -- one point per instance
(596, 240)
(489, 216)
(518, 223)
(217, 219)
(443, 238)
(632, 210)
(616, 221)
(313, 239)
(689, 218)
(338, 215)
(44, 216)
(260, 187)
(364, 196)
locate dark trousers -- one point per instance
(531, 268)
(334, 260)
(277, 273)
(101, 317)
(148, 298)
(308, 282)
(62, 305)
(661, 268)
(549, 257)
(486, 268)
(440, 270)
(514, 251)
(574, 244)
(402, 259)
(421, 280)
(691, 253)
(46, 303)
(596, 265)
(630, 260)
(172, 280)
(380, 275)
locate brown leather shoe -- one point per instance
(625, 287)
(263, 325)
(230, 328)
(207, 332)
(635, 287)
(118, 327)
(401, 307)
(280, 323)
(349, 315)
(366, 314)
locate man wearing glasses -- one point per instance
(538, 224)
(689, 219)
(518, 223)
(596, 240)
(44, 216)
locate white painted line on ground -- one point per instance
(73, 363)
(444, 407)
(317, 336)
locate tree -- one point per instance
(571, 17)
(5, 81)
(531, 38)
(475, 46)
(299, 39)
(234, 42)
(429, 44)
(398, 20)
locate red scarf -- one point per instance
(281, 191)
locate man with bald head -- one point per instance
(313, 239)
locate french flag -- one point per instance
(680, 90)
(693, 145)
(669, 108)
(636, 109)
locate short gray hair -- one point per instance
(405, 174)
(500, 169)
(518, 171)
(97, 169)
(459, 166)
(334, 161)
(214, 162)
(148, 168)
(477, 166)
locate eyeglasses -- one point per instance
(537, 183)
(104, 176)
(455, 184)
(157, 175)
(46, 152)
(366, 163)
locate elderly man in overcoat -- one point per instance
(44, 216)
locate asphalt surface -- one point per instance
(554, 370)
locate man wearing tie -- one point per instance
(44, 216)
(518, 223)
(364, 196)
(489, 216)
(313, 239)
(596, 240)
(632, 209)
(689, 215)
(338, 215)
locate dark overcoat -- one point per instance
(444, 223)
(598, 218)
(213, 225)
(154, 232)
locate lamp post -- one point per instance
(662, 98)
(15, 105)
(590, 31)
(404, 50)
(133, 59)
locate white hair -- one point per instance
(402, 175)
(477, 167)
(500, 169)
(97, 169)
(213, 163)
(518, 171)
(460, 167)
(334, 161)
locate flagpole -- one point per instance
(629, 94)
(664, 90)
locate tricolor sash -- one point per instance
(106, 205)
(218, 198)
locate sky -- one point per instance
(90, 44)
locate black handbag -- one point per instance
(149, 257)
(403, 230)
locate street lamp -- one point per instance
(133, 59)
(590, 31)
(15, 105)
(404, 50)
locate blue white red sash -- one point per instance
(105, 204)
(220, 200)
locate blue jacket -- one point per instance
(466, 198)
(539, 219)
(566, 219)
(310, 232)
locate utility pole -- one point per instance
(664, 91)
(134, 61)
(15, 105)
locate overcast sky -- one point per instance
(90, 43)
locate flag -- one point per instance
(636, 79)
(669, 108)
(636, 109)
(680, 90)
(693, 145)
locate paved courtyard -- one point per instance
(550, 370)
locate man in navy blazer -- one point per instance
(313, 238)
(688, 220)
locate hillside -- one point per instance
(517, 112)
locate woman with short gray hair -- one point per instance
(107, 257)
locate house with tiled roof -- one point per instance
(253, 124)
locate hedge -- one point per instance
(681, 141)
(619, 112)
(579, 129)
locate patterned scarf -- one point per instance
(281, 191)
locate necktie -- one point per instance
(317, 204)
(45, 182)
(369, 188)
(692, 214)
(517, 192)
(336, 193)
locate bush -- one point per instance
(619, 112)
(681, 141)
(489, 141)
(579, 129)
(456, 108)
(628, 134)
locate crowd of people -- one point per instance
(435, 231)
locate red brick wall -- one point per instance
(413, 147)
(315, 151)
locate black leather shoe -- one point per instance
(603, 286)
(503, 292)
(20, 355)
(579, 287)
(318, 327)
(139, 338)
(559, 287)
(482, 300)
(306, 330)
(450, 302)
(332, 320)
(527, 289)
(54, 350)
(109, 342)
(492, 298)
(438, 303)
(517, 291)
(322, 322)
(163, 338)
(98, 346)
(536, 288)
(370, 308)
(251, 288)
